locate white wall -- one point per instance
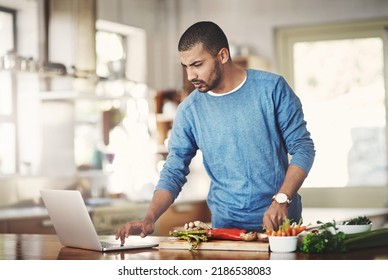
(246, 22)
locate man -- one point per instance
(246, 123)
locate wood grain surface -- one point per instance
(227, 245)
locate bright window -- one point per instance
(7, 97)
(341, 86)
(6, 31)
(338, 73)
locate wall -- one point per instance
(252, 22)
(248, 23)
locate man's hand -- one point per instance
(143, 228)
(160, 202)
(274, 216)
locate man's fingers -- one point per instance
(123, 232)
(135, 227)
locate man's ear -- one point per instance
(223, 55)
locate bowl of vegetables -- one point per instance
(285, 239)
(355, 225)
(283, 244)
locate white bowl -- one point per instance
(283, 244)
(350, 229)
(283, 256)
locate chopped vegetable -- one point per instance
(263, 237)
(196, 225)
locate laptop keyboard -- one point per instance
(105, 244)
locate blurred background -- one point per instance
(89, 90)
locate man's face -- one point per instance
(203, 69)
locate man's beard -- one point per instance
(214, 83)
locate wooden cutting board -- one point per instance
(227, 245)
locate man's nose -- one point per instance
(191, 75)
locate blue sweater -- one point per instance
(246, 138)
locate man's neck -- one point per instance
(232, 76)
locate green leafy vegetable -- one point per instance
(324, 240)
(361, 220)
(327, 239)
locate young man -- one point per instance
(246, 123)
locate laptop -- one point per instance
(74, 226)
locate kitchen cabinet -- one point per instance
(166, 102)
(3, 227)
(71, 33)
(41, 225)
(29, 220)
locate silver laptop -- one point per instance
(73, 224)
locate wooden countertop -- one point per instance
(48, 247)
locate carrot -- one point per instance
(287, 229)
(301, 228)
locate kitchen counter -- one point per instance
(48, 247)
(23, 213)
(107, 215)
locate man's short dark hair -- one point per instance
(208, 33)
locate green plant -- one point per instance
(324, 240)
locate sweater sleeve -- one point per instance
(293, 127)
(181, 150)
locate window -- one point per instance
(338, 73)
(110, 49)
(341, 84)
(7, 97)
(7, 34)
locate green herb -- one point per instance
(194, 236)
(361, 220)
(324, 240)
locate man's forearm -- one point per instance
(159, 204)
(293, 180)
